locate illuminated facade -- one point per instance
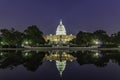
(60, 36)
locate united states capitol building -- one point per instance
(61, 35)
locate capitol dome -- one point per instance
(60, 29)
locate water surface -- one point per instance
(59, 65)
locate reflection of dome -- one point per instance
(60, 29)
(61, 66)
(60, 59)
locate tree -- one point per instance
(6, 38)
(0, 40)
(34, 35)
(18, 37)
(101, 35)
(115, 38)
(84, 38)
(11, 37)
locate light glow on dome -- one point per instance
(61, 29)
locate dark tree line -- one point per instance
(97, 37)
(13, 38)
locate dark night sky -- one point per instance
(85, 15)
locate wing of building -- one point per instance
(60, 36)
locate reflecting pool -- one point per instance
(60, 65)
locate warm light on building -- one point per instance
(60, 36)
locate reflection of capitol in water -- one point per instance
(59, 56)
(60, 59)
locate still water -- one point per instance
(59, 65)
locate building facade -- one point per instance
(60, 36)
